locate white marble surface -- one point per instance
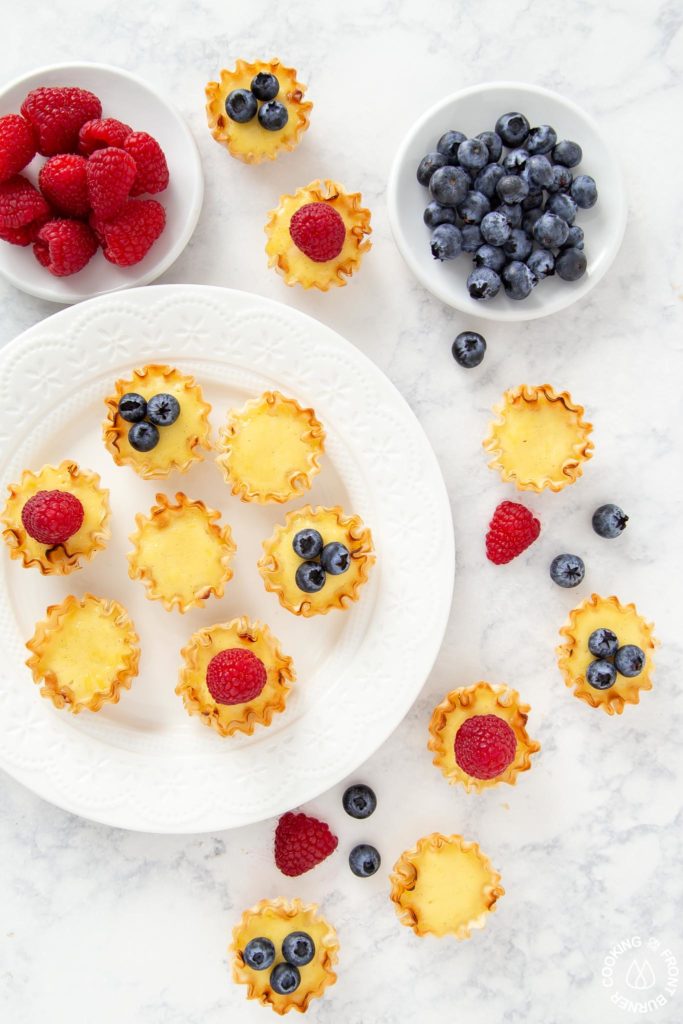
(103, 926)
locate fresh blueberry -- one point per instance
(446, 242)
(307, 543)
(335, 558)
(132, 407)
(495, 228)
(609, 521)
(143, 436)
(163, 410)
(571, 264)
(483, 283)
(541, 263)
(488, 178)
(436, 214)
(601, 675)
(515, 161)
(265, 86)
(541, 139)
(534, 201)
(493, 143)
(529, 219)
(513, 213)
(259, 954)
(491, 256)
(574, 238)
(562, 179)
(512, 188)
(359, 801)
(364, 860)
(513, 128)
(603, 643)
(273, 115)
(473, 154)
(428, 164)
(310, 577)
(469, 349)
(298, 948)
(241, 105)
(534, 188)
(629, 660)
(563, 205)
(449, 185)
(474, 207)
(284, 978)
(584, 191)
(540, 170)
(471, 237)
(517, 280)
(567, 153)
(550, 231)
(448, 145)
(517, 247)
(567, 570)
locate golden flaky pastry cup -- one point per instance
(227, 719)
(180, 443)
(250, 142)
(84, 653)
(539, 438)
(444, 886)
(574, 656)
(274, 920)
(270, 449)
(480, 699)
(292, 263)
(180, 553)
(59, 559)
(279, 561)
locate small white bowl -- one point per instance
(129, 99)
(476, 110)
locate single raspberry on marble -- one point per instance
(127, 237)
(485, 746)
(57, 114)
(151, 163)
(51, 517)
(512, 529)
(100, 133)
(318, 231)
(110, 173)
(64, 183)
(17, 145)
(20, 203)
(235, 676)
(64, 246)
(302, 842)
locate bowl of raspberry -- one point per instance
(100, 182)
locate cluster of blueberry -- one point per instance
(320, 559)
(298, 949)
(611, 659)
(566, 570)
(147, 416)
(514, 213)
(242, 105)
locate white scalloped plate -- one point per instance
(144, 763)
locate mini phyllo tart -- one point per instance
(479, 738)
(84, 653)
(607, 655)
(540, 439)
(157, 421)
(444, 886)
(316, 237)
(284, 952)
(181, 553)
(257, 110)
(318, 560)
(57, 518)
(235, 676)
(270, 450)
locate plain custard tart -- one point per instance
(209, 643)
(498, 705)
(93, 534)
(180, 552)
(574, 657)
(275, 920)
(84, 653)
(248, 141)
(317, 236)
(180, 443)
(444, 886)
(539, 439)
(271, 449)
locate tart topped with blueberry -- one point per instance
(257, 110)
(316, 237)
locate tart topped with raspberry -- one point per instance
(270, 449)
(235, 676)
(57, 518)
(316, 237)
(257, 110)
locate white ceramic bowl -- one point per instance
(476, 110)
(129, 99)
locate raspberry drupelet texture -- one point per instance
(20, 203)
(511, 530)
(111, 173)
(51, 517)
(152, 169)
(127, 237)
(318, 231)
(302, 842)
(57, 114)
(100, 133)
(235, 676)
(485, 746)
(64, 246)
(17, 145)
(64, 183)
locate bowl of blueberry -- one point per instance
(506, 201)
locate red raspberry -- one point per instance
(318, 230)
(111, 173)
(149, 157)
(235, 676)
(17, 145)
(63, 182)
(128, 236)
(20, 203)
(26, 234)
(57, 114)
(484, 746)
(51, 517)
(64, 246)
(302, 842)
(511, 531)
(102, 132)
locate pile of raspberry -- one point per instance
(88, 187)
